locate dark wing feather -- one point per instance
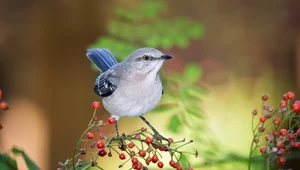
(105, 84)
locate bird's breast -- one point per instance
(134, 98)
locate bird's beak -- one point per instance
(166, 57)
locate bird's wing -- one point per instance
(158, 77)
(106, 84)
(102, 58)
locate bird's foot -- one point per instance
(122, 144)
(160, 138)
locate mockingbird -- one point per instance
(132, 87)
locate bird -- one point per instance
(132, 87)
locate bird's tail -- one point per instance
(102, 58)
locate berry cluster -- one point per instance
(277, 132)
(139, 148)
(3, 106)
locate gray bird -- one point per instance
(132, 87)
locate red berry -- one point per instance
(111, 120)
(267, 137)
(154, 158)
(134, 161)
(298, 133)
(264, 97)
(131, 145)
(122, 156)
(262, 149)
(285, 97)
(283, 103)
(291, 136)
(290, 95)
(283, 132)
(296, 107)
(137, 166)
(149, 140)
(160, 164)
(280, 146)
(179, 167)
(100, 144)
(281, 160)
(132, 153)
(297, 102)
(3, 106)
(276, 121)
(142, 153)
(90, 135)
(263, 119)
(190, 169)
(275, 133)
(96, 105)
(102, 152)
(148, 160)
(171, 140)
(296, 145)
(0, 94)
(172, 163)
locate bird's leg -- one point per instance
(156, 135)
(117, 130)
(122, 143)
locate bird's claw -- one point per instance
(159, 137)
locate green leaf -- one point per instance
(192, 73)
(7, 163)
(29, 163)
(175, 124)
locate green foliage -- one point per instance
(143, 25)
(9, 163)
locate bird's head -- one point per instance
(147, 60)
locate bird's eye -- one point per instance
(146, 57)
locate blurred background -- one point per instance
(238, 50)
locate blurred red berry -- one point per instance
(122, 156)
(134, 161)
(291, 136)
(262, 119)
(0, 94)
(264, 97)
(111, 120)
(160, 164)
(290, 95)
(276, 121)
(275, 133)
(281, 160)
(254, 112)
(262, 149)
(283, 103)
(297, 102)
(172, 163)
(96, 105)
(154, 158)
(296, 107)
(131, 145)
(90, 135)
(285, 97)
(283, 132)
(149, 140)
(142, 153)
(190, 169)
(298, 133)
(171, 140)
(100, 144)
(296, 145)
(102, 152)
(280, 146)
(3, 106)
